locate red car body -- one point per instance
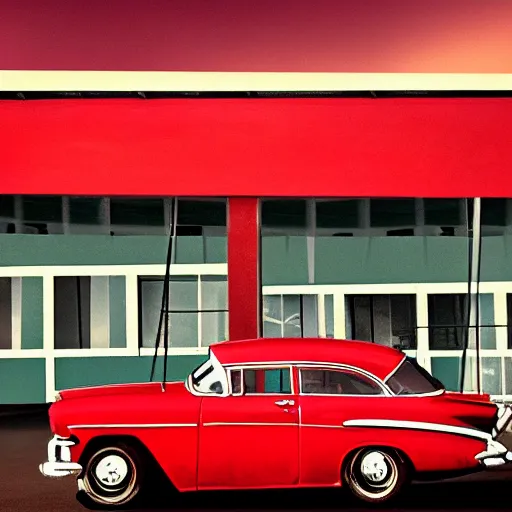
(278, 413)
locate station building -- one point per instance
(321, 189)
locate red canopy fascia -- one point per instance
(258, 147)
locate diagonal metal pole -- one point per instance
(473, 315)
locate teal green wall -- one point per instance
(26, 250)
(344, 260)
(369, 260)
(447, 370)
(32, 312)
(73, 372)
(22, 381)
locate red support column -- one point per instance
(244, 285)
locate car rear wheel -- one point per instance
(113, 475)
(375, 475)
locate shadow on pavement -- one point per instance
(460, 495)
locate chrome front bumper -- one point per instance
(496, 454)
(59, 459)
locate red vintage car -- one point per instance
(276, 413)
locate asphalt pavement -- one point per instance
(23, 441)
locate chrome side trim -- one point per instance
(395, 369)
(134, 425)
(108, 386)
(311, 425)
(418, 425)
(255, 424)
(248, 424)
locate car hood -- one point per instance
(122, 404)
(145, 388)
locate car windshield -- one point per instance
(412, 379)
(209, 378)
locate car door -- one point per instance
(328, 397)
(250, 439)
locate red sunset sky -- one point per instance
(434, 36)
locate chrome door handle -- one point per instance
(285, 402)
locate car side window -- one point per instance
(256, 381)
(337, 382)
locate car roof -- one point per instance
(371, 357)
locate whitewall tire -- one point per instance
(113, 475)
(375, 475)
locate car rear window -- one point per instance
(337, 382)
(412, 379)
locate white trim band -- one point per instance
(17, 80)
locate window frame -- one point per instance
(350, 312)
(199, 311)
(386, 392)
(242, 367)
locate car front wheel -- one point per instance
(113, 475)
(375, 475)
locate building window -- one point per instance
(214, 310)
(88, 215)
(137, 216)
(283, 217)
(207, 217)
(385, 319)
(10, 313)
(494, 213)
(42, 215)
(443, 212)
(7, 215)
(340, 216)
(5, 313)
(198, 314)
(297, 316)
(392, 212)
(54, 215)
(82, 312)
(332, 382)
(446, 314)
(447, 319)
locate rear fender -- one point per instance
(426, 450)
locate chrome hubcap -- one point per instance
(111, 470)
(374, 467)
(373, 474)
